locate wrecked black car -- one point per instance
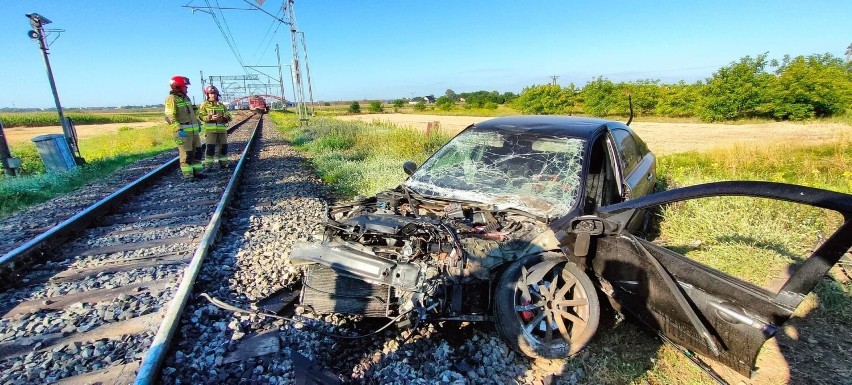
(528, 222)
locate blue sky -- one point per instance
(123, 52)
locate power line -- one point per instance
(265, 35)
(644, 72)
(264, 11)
(277, 25)
(225, 36)
(228, 28)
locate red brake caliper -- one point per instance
(526, 315)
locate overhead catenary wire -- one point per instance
(213, 7)
(264, 11)
(582, 76)
(230, 43)
(277, 24)
(227, 27)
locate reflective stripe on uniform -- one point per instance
(189, 127)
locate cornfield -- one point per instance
(41, 119)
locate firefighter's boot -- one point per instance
(224, 162)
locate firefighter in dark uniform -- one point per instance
(215, 117)
(180, 114)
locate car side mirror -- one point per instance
(409, 167)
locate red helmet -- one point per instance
(211, 89)
(179, 81)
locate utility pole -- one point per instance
(280, 77)
(308, 72)
(37, 33)
(296, 69)
(554, 77)
(848, 55)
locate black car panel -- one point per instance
(539, 212)
(739, 315)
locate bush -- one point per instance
(355, 108)
(444, 103)
(420, 106)
(740, 90)
(808, 87)
(679, 100)
(545, 99)
(376, 107)
(600, 97)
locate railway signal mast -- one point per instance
(39, 34)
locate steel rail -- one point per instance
(156, 353)
(11, 261)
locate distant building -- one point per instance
(429, 99)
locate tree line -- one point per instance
(794, 88)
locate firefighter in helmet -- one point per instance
(181, 116)
(215, 117)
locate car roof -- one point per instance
(581, 127)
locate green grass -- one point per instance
(358, 158)
(775, 234)
(751, 238)
(42, 119)
(760, 238)
(105, 154)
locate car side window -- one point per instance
(628, 149)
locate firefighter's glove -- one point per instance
(182, 133)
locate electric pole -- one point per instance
(280, 77)
(848, 55)
(301, 107)
(308, 72)
(554, 77)
(37, 33)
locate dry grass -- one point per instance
(664, 137)
(18, 135)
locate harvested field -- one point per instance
(16, 135)
(665, 138)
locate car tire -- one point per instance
(572, 310)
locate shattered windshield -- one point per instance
(537, 174)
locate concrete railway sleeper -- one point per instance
(85, 301)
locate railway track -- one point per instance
(85, 300)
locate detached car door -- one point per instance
(694, 305)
